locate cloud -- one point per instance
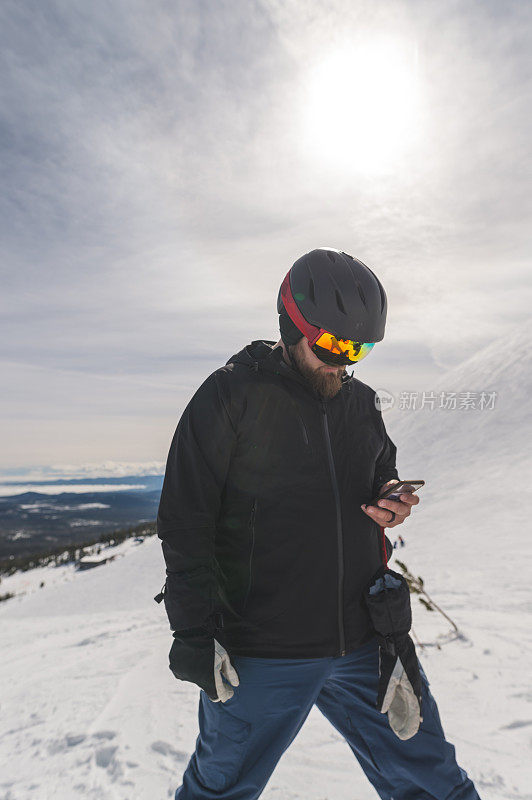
(106, 469)
(156, 190)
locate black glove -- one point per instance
(399, 694)
(192, 659)
(197, 656)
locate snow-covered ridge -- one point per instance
(457, 446)
(28, 582)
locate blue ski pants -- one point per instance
(241, 741)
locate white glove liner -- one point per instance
(223, 666)
(402, 705)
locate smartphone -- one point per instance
(394, 491)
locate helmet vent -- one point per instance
(361, 293)
(340, 303)
(330, 256)
(311, 294)
(383, 297)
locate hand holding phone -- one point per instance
(395, 491)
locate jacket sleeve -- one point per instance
(196, 470)
(385, 468)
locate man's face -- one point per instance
(325, 380)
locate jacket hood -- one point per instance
(263, 354)
(260, 350)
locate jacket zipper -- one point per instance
(252, 526)
(338, 530)
(305, 434)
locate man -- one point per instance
(270, 545)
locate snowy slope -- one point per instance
(464, 444)
(469, 539)
(89, 708)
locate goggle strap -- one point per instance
(311, 332)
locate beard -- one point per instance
(325, 383)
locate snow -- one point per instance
(91, 710)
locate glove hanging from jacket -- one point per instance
(399, 693)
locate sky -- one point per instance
(164, 163)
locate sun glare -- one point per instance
(363, 106)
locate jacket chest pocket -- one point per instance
(283, 444)
(276, 448)
(365, 440)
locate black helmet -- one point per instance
(328, 290)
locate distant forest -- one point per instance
(60, 555)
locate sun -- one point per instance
(363, 106)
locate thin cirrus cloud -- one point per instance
(156, 188)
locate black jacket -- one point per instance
(260, 515)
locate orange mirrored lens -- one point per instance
(354, 351)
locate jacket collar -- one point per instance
(263, 354)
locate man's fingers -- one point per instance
(410, 498)
(401, 509)
(383, 512)
(382, 516)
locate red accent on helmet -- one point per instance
(311, 332)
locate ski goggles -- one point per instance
(328, 348)
(340, 351)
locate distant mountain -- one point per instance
(33, 522)
(139, 482)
